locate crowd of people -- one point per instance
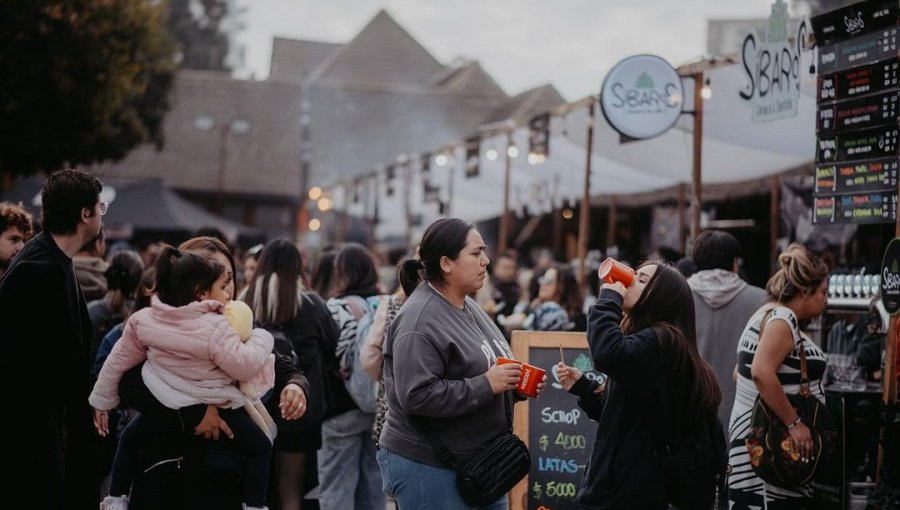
(337, 377)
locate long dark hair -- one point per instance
(667, 307)
(273, 293)
(354, 272)
(568, 292)
(323, 275)
(443, 238)
(123, 276)
(182, 276)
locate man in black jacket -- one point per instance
(45, 350)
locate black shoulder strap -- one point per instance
(437, 444)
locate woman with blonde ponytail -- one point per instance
(769, 367)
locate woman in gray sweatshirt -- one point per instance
(440, 366)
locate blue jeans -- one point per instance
(349, 478)
(418, 486)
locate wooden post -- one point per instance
(557, 219)
(451, 171)
(774, 221)
(585, 217)
(407, 172)
(611, 220)
(697, 178)
(504, 216)
(682, 227)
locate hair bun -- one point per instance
(116, 277)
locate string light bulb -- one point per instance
(512, 151)
(706, 90)
(441, 160)
(491, 154)
(315, 193)
(314, 225)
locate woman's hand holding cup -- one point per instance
(567, 375)
(504, 377)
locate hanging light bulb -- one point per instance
(491, 154)
(315, 193)
(315, 225)
(512, 151)
(441, 160)
(706, 90)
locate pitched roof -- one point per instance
(253, 140)
(381, 53)
(468, 78)
(293, 59)
(528, 103)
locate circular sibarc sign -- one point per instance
(642, 96)
(890, 277)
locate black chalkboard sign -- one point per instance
(860, 113)
(863, 50)
(854, 20)
(559, 434)
(858, 145)
(859, 81)
(875, 175)
(875, 207)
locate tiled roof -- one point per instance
(264, 160)
(382, 53)
(293, 59)
(531, 102)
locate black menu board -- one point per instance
(877, 175)
(857, 145)
(559, 434)
(875, 207)
(848, 22)
(858, 107)
(864, 112)
(865, 49)
(859, 81)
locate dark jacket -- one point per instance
(314, 335)
(623, 472)
(208, 475)
(46, 335)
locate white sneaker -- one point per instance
(114, 503)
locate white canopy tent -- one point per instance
(734, 149)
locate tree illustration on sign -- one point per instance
(583, 363)
(644, 81)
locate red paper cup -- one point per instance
(611, 271)
(531, 376)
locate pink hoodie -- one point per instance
(193, 356)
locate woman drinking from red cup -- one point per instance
(643, 338)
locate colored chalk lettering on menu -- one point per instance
(559, 434)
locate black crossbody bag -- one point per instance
(493, 472)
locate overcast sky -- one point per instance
(521, 43)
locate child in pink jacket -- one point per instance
(193, 356)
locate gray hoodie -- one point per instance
(723, 303)
(435, 358)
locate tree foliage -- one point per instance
(83, 81)
(198, 26)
